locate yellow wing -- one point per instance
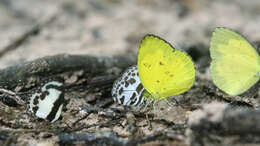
(163, 70)
(235, 63)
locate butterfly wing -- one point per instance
(47, 103)
(235, 63)
(163, 70)
(127, 89)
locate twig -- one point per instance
(80, 119)
(148, 138)
(91, 109)
(106, 124)
(98, 138)
(109, 138)
(12, 94)
(162, 135)
(3, 135)
(52, 65)
(9, 139)
(98, 81)
(17, 42)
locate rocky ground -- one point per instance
(204, 115)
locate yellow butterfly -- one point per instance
(163, 70)
(235, 65)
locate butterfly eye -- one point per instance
(161, 63)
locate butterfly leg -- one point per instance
(171, 104)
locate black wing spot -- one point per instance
(122, 99)
(35, 109)
(36, 100)
(120, 91)
(139, 88)
(139, 100)
(131, 81)
(160, 63)
(133, 96)
(44, 94)
(56, 105)
(126, 84)
(147, 65)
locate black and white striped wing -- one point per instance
(47, 102)
(127, 89)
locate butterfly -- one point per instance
(164, 71)
(47, 102)
(128, 89)
(235, 65)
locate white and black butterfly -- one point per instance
(48, 101)
(127, 89)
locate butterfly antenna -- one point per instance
(176, 46)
